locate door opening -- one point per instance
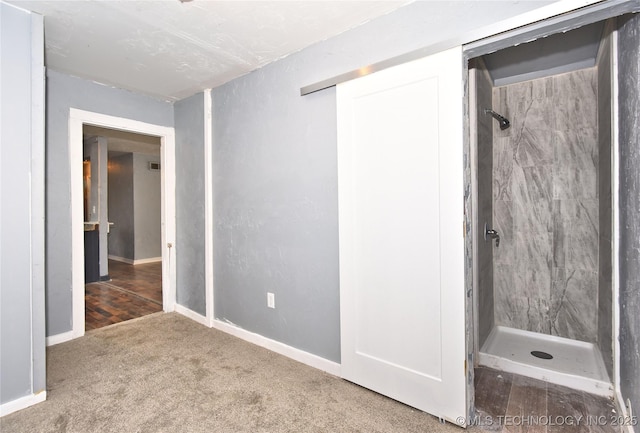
(98, 125)
(122, 210)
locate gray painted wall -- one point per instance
(190, 272)
(545, 186)
(629, 111)
(121, 207)
(134, 207)
(147, 189)
(275, 176)
(22, 335)
(484, 92)
(605, 303)
(64, 92)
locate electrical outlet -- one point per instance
(271, 300)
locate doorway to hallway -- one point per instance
(122, 210)
(78, 119)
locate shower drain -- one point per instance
(541, 355)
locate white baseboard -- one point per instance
(121, 259)
(22, 403)
(134, 261)
(60, 338)
(307, 358)
(196, 317)
(149, 260)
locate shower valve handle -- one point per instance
(491, 234)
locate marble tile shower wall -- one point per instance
(546, 206)
(484, 128)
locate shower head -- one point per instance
(503, 121)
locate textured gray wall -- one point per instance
(275, 176)
(484, 89)
(605, 305)
(629, 111)
(22, 339)
(147, 188)
(545, 166)
(190, 272)
(121, 207)
(63, 93)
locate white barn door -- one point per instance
(400, 180)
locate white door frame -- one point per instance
(78, 118)
(208, 207)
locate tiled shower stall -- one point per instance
(544, 184)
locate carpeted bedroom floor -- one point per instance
(166, 373)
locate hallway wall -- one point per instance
(546, 206)
(121, 207)
(147, 209)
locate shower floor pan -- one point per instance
(575, 364)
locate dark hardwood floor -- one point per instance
(512, 403)
(134, 291)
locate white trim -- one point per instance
(136, 261)
(307, 358)
(190, 314)
(77, 118)
(122, 259)
(60, 338)
(37, 206)
(22, 403)
(77, 224)
(149, 260)
(168, 223)
(208, 206)
(615, 221)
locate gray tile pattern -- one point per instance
(629, 194)
(546, 206)
(605, 298)
(484, 130)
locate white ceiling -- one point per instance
(172, 50)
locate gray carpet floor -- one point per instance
(166, 373)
